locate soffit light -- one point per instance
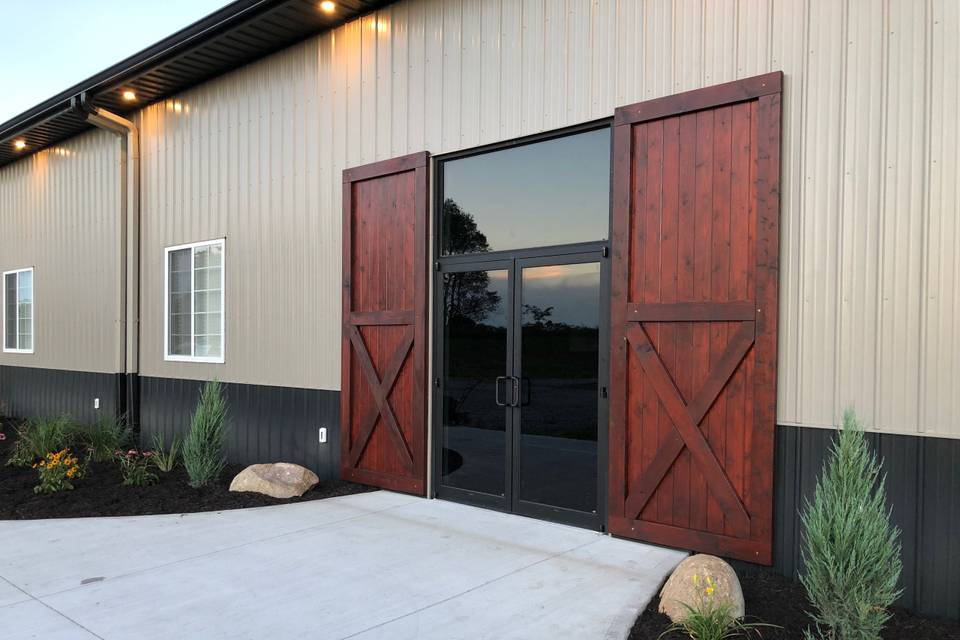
(328, 7)
(20, 145)
(129, 96)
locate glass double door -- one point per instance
(520, 385)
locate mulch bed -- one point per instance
(99, 493)
(774, 599)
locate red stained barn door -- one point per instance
(694, 318)
(383, 401)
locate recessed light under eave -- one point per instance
(19, 145)
(327, 6)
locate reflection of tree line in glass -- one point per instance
(559, 359)
(466, 294)
(468, 301)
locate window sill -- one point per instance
(169, 358)
(20, 351)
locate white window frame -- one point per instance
(33, 310)
(166, 302)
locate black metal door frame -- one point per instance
(597, 519)
(555, 255)
(477, 498)
(514, 262)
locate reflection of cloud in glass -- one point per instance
(571, 290)
(551, 273)
(540, 194)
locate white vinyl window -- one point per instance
(18, 311)
(194, 326)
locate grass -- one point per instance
(103, 439)
(165, 459)
(36, 438)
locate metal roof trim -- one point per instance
(236, 15)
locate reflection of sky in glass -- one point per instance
(546, 193)
(500, 283)
(572, 290)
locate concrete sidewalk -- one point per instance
(373, 565)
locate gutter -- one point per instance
(128, 248)
(221, 20)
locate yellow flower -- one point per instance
(709, 591)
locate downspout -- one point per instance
(128, 253)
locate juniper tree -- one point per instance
(851, 552)
(203, 455)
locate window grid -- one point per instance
(22, 302)
(194, 292)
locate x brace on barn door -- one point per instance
(381, 388)
(687, 416)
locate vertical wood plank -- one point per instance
(719, 286)
(703, 239)
(622, 190)
(687, 146)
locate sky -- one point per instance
(48, 46)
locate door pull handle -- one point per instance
(516, 391)
(496, 393)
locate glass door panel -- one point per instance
(557, 360)
(476, 348)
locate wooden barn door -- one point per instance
(383, 401)
(694, 318)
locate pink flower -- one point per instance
(132, 452)
(147, 454)
(3, 437)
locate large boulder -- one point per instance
(701, 580)
(278, 480)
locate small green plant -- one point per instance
(203, 455)
(165, 459)
(851, 552)
(135, 468)
(56, 471)
(711, 619)
(104, 438)
(37, 438)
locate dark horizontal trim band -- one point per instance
(387, 167)
(364, 318)
(715, 96)
(740, 310)
(384, 480)
(704, 542)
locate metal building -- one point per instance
(248, 125)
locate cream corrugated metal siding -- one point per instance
(58, 214)
(870, 289)
(240, 158)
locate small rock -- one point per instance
(278, 480)
(682, 588)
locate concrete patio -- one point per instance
(374, 565)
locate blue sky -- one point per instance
(49, 45)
